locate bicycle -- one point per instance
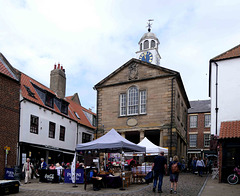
(234, 178)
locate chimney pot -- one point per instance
(55, 66)
(61, 67)
(64, 70)
(58, 65)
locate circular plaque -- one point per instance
(131, 122)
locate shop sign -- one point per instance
(9, 174)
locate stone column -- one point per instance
(141, 135)
(178, 146)
(161, 138)
(182, 150)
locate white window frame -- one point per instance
(143, 102)
(192, 140)
(207, 138)
(207, 122)
(193, 121)
(123, 101)
(133, 101)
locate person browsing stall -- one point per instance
(174, 169)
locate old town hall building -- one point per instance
(143, 99)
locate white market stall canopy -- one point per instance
(151, 149)
(111, 142)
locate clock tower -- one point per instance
(148, 45)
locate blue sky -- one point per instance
(93, 38)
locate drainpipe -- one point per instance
(18, 146)
(97, 113)
(171, 125)
(216, 107)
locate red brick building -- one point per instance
(199, 121)
(9, 114)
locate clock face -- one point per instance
(146, 56)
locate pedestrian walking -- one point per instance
(174, 169)
(27, 168)
(194, 163)
(159, 168)
(200, 165)
(59, 169)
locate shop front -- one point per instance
(49, 153)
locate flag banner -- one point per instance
(79, 176)
(73, 168)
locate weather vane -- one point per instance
(149, 24)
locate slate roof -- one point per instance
(230, 129)
(27, 81)
(6, 68)
(200, 106)
(232, 53)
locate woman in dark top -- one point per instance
(174, 173)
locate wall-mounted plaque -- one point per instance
(132, 122)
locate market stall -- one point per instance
(151, 150)
(111, 142)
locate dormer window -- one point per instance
(146, 44)
(30, 93)
(49, 100)
(64, 108)
(141, 46)
(153, 44)
(76, 114)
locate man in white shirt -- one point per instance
(27, 167)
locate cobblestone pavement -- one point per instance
(189, 185)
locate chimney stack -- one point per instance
(58, 80)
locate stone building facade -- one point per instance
(9, 114)
(141, 99)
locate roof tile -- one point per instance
(73, 107)
(234, 52)
(5, 70)
(230, 129)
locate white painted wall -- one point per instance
(82, 129)
(228, 92)
(28, 109)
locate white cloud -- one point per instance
(93, 38)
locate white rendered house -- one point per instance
(224, 86)
(51, 124)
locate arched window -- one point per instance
(146, 44)
(133, 100)
(152, 44)
(141, 46)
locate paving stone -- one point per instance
(188, 185)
